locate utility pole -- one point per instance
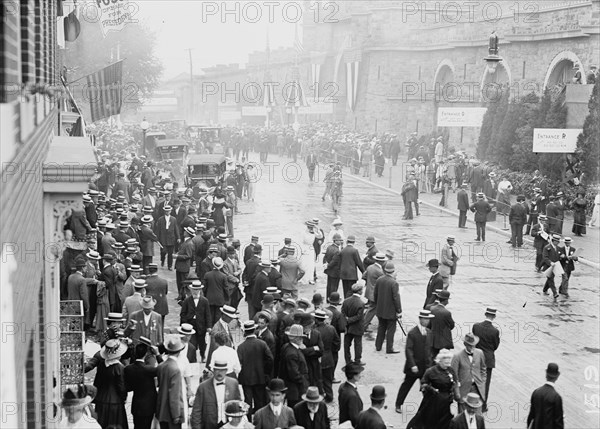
(191, 86)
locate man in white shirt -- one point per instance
(225, 353)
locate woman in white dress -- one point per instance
(307, 262)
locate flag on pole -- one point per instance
(298, 43)
(105, 91)
(295, 94)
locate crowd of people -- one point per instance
(282, 372)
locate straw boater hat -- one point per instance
(186, 329)
(426, 314)
(139, 283)
(115, 317)
(229, 311)
(473, 400)
(113, 349)
(295, 331)
(196, 285)
(380, 257)
(93, 255)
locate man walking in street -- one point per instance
(442, 324)
(372, 273)
(418, 356)
(469, 367)
(546, 410)
(550, 257)
(291, 273)
(568, 256)
(353, 310)
(168, 236)
(462, 197)
(435, 281)
(389, 308)
(489, 340)
(517, 219)
(332, 264)
(349, 262)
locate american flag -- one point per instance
(298, 43)
(105, 91)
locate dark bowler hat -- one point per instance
(353, 368)
(443, 294)
(378, 393)
(433, 263)
(552, 369)
(389, 267)
(334, 298)
(276, 385)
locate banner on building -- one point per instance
(254, 111)
(105, 91)
(321, 106)
(555, 140)
(460, 116)
(113, 15)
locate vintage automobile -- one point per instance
(172, 155)
(151, 138)
(206, 169)
(205, 138)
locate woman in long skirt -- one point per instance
(579, 221)
(252, 177)
(110, 382)
(440, 387)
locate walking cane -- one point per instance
(401, 327)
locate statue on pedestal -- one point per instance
(493, 49)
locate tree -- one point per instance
(552, 164)
(92, 52)
(485, 134)
(588, 142)
(496, 139)
(523, 158)
(507, 135)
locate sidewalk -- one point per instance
(393, 179)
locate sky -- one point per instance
(214, 36)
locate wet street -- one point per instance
(534, 329)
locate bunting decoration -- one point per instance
(352, 69)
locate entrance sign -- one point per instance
(460, 116)
(555, 140)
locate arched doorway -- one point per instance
(447, 90)
(560, 71)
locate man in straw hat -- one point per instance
(311, 412)
(418, 356)
(147, 322)
(256, 361)
(228, 314)
(349, 262)
(75, 403)
(546, 410)
(489, 341)
(331, 344)
(539, 232)
(147, 240)
(218, 390)
(551, 257)
(371, 274)
(195, 310)
(469, 418)
(350, 403)
(276, 414)
(371, 417)
(168, 236)
(469, 366)
(293, 368)
(171, 403)
(133, 303)
(184, 260)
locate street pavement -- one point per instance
(534, 329)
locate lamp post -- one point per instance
(269, 109)
(144, 125)
(493, 58)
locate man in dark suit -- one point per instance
(469, 418)
(311, 413)
(184, 261)
(338, 321)
(539, 230)
(371, 417)
(389, 308)
(560, 211)
(293, 369)
(567, 259)
(261, 283)
(215, 289)
(550, 256)
(170, 401)
(435, 281)
(349, 262)
(372, 273)
(489, 340)
(157, 288)
(251, 269)
(208, 411)
(350, 404)
(195, 311)
(313, 348)
(332, 270)
(546, 411)
(331, 345)
(353, 309)
(168, 236)
(256, 361)
(481, 208)
(462, 197)
(249, 250)
(418, 356)
(147, 240)
(552, 214)
(371, 252)
(477, 180)
(276, 414)
(442, 324)
(311, 163)
(517, 218)
(139, 378)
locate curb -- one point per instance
(453, 213)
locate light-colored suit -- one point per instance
(132, 304)
(448, 260)
(153, 330)
(469, 373)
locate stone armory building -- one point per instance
(389, 65)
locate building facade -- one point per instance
(44, 172)
(390, 65)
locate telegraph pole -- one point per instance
(191, 86)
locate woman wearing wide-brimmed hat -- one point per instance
(75, 403)
(110, 382)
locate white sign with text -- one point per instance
(555, 140)
(460, 116)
